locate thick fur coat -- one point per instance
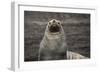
(53, 44)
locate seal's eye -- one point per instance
(49, 23)
(58, 22)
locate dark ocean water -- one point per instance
(76, 28)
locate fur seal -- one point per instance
(53, 44)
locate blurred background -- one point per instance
(76, 27)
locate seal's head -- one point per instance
(54, 26)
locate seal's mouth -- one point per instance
(54, 28)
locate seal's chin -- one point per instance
(54, 29)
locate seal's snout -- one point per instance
(54, 26)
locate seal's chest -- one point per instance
(55, 43)
(54, 37)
